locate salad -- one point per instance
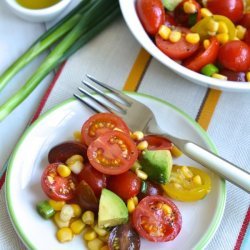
(210, 37)
(112, 186)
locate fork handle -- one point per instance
(230, 172)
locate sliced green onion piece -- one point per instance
(209, 69)
(192, 19)
(45, 209)
(144, 187)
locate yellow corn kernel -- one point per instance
(205, 12)
(142, 145)
(71, 160)
(197, 180)
(206, 43)
(141, 174)
(63, 170)
(57, 205)
(130, 205)
(222, 38)
(135, 199)
(95, 244)
(167, 209)
(105, 247)
(186, 172)
(77, 136)
(193, 38)
(88, 217)
(76, 167)
(77, 226)
(64, 234)
(219, 76)
(76, 209)
(164, 32)
(90, 235)
(137, 135)
(59, 222)
(100, 231)
(189, 8)
(66, 213)
(212, 26)
(240, 32)
(222, 27)
(175, 152)
(175, 36)
(248, 76)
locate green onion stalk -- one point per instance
(100, 14)
(45, 41)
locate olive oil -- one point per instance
(37, 4)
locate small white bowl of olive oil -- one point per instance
(37, 10)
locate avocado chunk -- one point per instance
(157, 164)
(112, 210)
(171, 4)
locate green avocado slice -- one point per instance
(171, 4)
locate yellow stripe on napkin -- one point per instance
(137, 71)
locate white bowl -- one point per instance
(37, 15)
(129, 13)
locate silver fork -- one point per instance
(130, 109)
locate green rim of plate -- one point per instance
(222, 196)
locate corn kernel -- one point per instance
(167, 209)
(76, 167)
(248, 76)
(95, 244)
(71, 160)
(164, 32)
(175, 152)
(197, 180)
(142, 145)
(90, 235)
(141, 174)
(219, 76)
(135, 199)
(59, 222)
(57, 205)
(175, 36)
(88, 217)
(222, 27)
(77, 226)
(66, 213)
(77, 136)
(137, 135)
(206, 43)
(130, 205)
(222, 38)
(240, 32)
(63, 170)
(186, 172)
(189, 8)
(100, 231)
(64, 234)
(205, 12)
(193, 38)
(212, 26)
(77, 210)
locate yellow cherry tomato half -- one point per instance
(187, 184)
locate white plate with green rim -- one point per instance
(23, 191)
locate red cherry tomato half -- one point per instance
(247, 37)
(233, 9)
(57, 187)
(179, 50)
(169, 20)
(245, 21)
(101, 123)
(203, 57)
(153, 222)
(156, 142)
(234, 76)
(94, 178)
(112, 153)
(151, 14)
(125, 185)
(235, 56)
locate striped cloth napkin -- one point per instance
(116, 58)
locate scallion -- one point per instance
(209, 69)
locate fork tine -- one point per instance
(81, 99)
(124, 97)
(97, 101)
(119, 105)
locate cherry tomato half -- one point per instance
(204, 56)
(179, 50)
(233, 9)
(234, 76)
(101, 123)
(94, 178)
(112, 153)
(247, 37)
(245, 21)
(125, 185)
(151, 14)
(156, 142)
(57, 187)
(235, 55)
(157, 219)
(187, 185)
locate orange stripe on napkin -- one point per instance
(208, 107)
(137, 71)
